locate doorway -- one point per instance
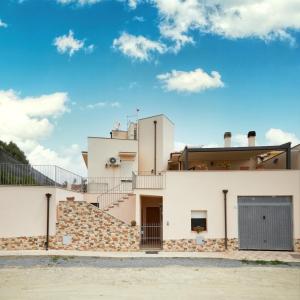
(151, 222)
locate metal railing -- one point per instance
(39, 175)
(149, 180)
(99, 185)
(119, 189)
(151, 236)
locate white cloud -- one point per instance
(240, 140)
(2, 24)
(68, 44)
(193, 81)
(29, 117)
(78, 2)
(26, 121)
(114, 104)
(179, 146)
(139, 19)
(138, 47)
(231, 19)
(133, 3)
(276, 136)
(89, 49)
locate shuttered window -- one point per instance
(199, 220)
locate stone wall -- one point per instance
(86, 227)
(297, 245)
(91, 229)
(23, 243)
(209, 245)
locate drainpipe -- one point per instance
(225, 217)
(155, 133)
(186, 158)
(288, 157)
(48, 196)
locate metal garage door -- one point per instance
(265, 223)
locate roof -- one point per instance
(229, 149)
(230, 153)
(160, 115)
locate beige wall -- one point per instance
(101, 149)
(164, 142)
(187, 191)
(125, 211)
(23, 210)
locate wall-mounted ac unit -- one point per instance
(113, 162)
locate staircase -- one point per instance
(116, 195)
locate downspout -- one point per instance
(186, 158)
(155, 134)
(48, 196)
(288, 157)
(225, 217)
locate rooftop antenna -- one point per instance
(135, 116)
(117, 125)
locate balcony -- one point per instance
(148, 180)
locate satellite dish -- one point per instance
(117, 125)
(112, 160)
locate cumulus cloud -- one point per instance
(240, 140)
(133, 3)
(78, 2)
(3, 24)
(114, 104)
(68, 44)
(28, 117)
(28, 120)
(138, 47)
(192, 82)
(276, 136)
(232, 19)
(139, 19)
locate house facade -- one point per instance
(197, 198)
(140, 194)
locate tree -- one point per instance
(14, 151)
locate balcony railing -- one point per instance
(39, 175)
(102, 185)
(148, 180)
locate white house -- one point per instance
(198, 198)
(140, 194)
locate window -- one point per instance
(198, 220)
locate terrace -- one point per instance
(227, 158)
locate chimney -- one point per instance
(251, 138)
(227, 139)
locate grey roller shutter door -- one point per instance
(265, 223)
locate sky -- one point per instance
(70, 69)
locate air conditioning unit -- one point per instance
(113, 162)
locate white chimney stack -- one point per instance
(251, 138)
(227, 139)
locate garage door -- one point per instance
(265, 223)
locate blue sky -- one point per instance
(100, 60)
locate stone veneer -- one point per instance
(92, 229)
(297, 245)
(23, 243)
(189, 245)
(88, 227)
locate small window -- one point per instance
(199, 220)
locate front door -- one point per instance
(151, 230)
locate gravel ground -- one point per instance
(81, 278)
(149, 262)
